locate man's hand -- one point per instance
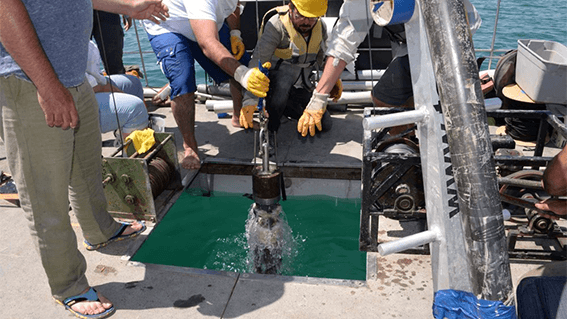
(253, 80)
(127, 21)
(312, 115)
(558, 206)
(153, 10)
(246, 115)
(236, 44)
(59, 108)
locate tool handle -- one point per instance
(265, 71)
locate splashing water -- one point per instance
(271, 247)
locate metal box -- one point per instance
(541, 70)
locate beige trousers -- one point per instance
(53, 168)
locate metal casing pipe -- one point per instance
(461, 98)
(266, 186)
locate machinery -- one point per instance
(133, 182)
(266, 227)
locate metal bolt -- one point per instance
(130, 199)
(109, 178)
(125, 179)
(402, 189)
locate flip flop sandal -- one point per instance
(117, 237)
(90, 295)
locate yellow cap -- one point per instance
(311, 8)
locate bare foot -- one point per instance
(92, 307)
(134, 227)
(191, 160)
(235, 121)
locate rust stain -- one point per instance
(105, 270)
(403, 262)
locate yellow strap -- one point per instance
(280, 10)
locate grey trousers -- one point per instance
(53, 168)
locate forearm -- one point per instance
(555, 175)
(153, 10)
(19, 37)
(331, 74)
(233, 20)
(115, 6)
(207, 37)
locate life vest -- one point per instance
(303, 53)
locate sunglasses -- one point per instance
(298, 16)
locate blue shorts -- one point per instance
(176, 55)
(395, 86)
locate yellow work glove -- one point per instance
(253, 80)
(236, 44)
(246, 115)
(143, 140)
(337, 91)
(312, 114)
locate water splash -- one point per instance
(271, 246)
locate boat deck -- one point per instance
(397, 286)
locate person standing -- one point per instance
(196, 31)
(109, 36)
(52, 136)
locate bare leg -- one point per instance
(236, 93)
(183, 108)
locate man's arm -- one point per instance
(555, 183)
(233, 20)
(555, 175)
(207, 36)
(266, 45)
(331, 74)
(136, 9)
(19, 37)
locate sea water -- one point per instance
(209, 232)
(518, 19)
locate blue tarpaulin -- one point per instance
(454, 304)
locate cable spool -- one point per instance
(160, 175)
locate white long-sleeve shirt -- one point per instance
(94, 74)
(354, 22)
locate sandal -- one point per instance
(90, 295)
(117, 237)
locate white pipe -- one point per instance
(492, 104)
(353, 97)
(358, 85)
(362, 75)
(393, 119)
(408, 242)
(214, 105)
(223, 106)
(217, 106)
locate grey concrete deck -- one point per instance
(397, 286)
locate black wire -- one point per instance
(105, 58)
